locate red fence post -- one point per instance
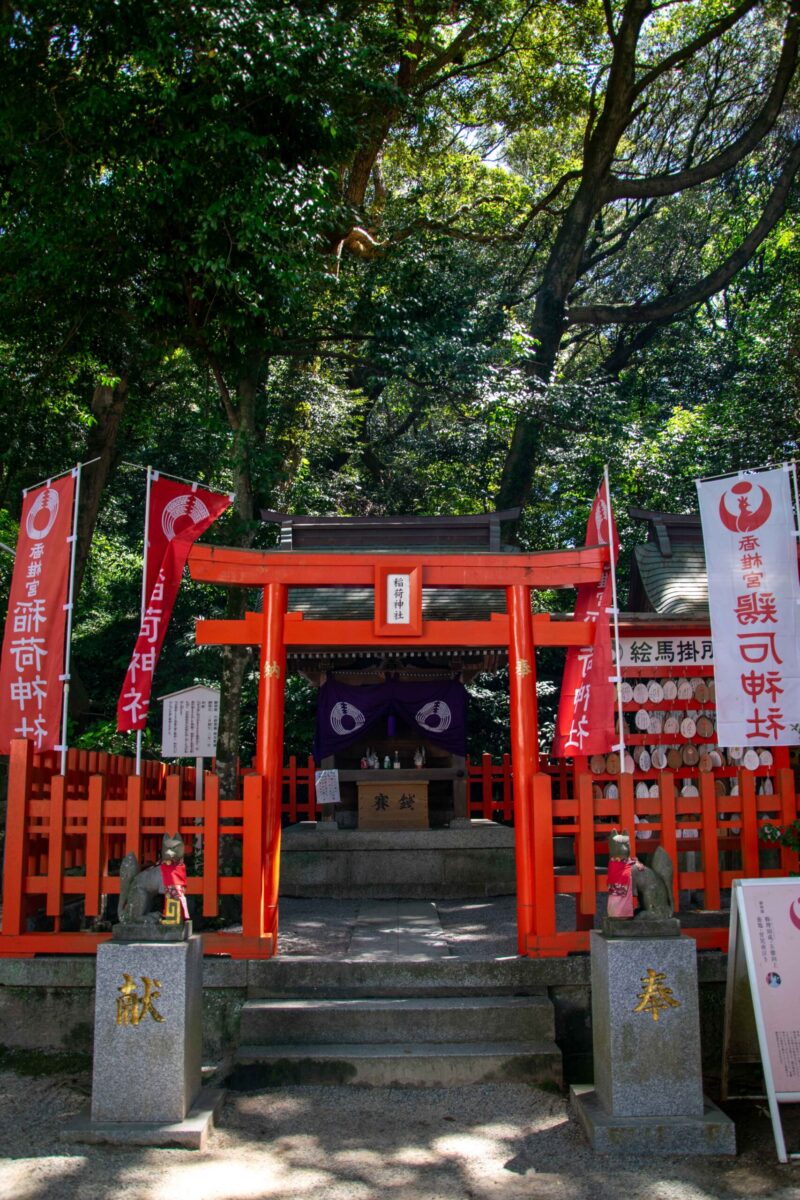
(94, 844)
(211, 846)
(789, 812)
(133, 815)
(55, 846)
(312, 789)
(584, 847)
(508, 795)
(627, 808)
(486, 786)
(292, 774)
(20, 771)
(172, 804)
(710, 842)
(669, 833)
(747, 791)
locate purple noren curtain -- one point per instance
(438, 710)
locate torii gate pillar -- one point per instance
(524, 749)
(269, 744)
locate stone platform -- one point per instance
(471, 858)
(707, 1132)
(648, 1082)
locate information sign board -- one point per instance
(765, 933)
(189, 723)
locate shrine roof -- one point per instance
(472, 533)
(668, 572)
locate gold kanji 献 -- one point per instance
(131, 1007)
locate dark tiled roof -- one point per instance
(676, 585)
(475, 533)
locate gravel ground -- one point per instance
(507, 1142)
(490, 1142)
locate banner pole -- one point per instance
(739, 471)
(61, 474)
(70, 607)
(615, 615)
(143, 603)
(193, 483)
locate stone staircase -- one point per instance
(439, 1022)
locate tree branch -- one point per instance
(459, 45)
(667, 307)
(426, 80)
(231, 410)
(691, 48)
(718, 164)
(609, 21)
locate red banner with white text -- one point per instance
(179, 515)
(585, 723)
(32, 665)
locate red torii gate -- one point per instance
(519, 629)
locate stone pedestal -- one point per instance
(148, 1034)
(648, 1094)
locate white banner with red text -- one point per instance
(32, 665)
(179, 514)
(585, 723)
(754, 602)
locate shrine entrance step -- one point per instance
(379, 1022)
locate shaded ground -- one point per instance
(488, 1142)
(477, 1143)
(478, 928)
(473, 929)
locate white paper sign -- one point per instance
(398, 599)
(754, 601)
(189, 723)
(326, 784)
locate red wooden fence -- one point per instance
(65, 835)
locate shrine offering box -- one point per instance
(402, 805)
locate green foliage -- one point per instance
(180, 210)
(787, 835)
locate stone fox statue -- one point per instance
(139, 891)
(653, 885)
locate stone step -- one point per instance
(396, 1064)
(430, 1019)
(328, 978)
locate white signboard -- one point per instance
(326, 784)
(765, 932)
(398, 599)
(666, 652)
(754, 601)
(189, 723)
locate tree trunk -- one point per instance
(108, 408)
(563, 266)
(236, 659)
